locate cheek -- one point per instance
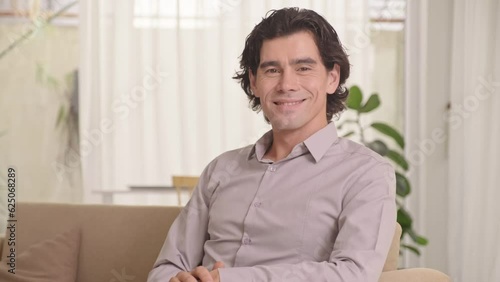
(266, 88)
(314, 88)
(313, 81)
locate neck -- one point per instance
(285, 140)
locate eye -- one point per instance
(272, 70)
(304, 68)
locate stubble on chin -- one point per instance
(282, 124)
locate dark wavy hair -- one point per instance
(285, 22)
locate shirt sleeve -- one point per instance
(366, 228)
(183, 247)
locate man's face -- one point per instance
(292, 83)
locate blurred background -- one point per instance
(106, 101)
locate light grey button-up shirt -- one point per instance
(324, 213)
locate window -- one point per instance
(188, 14)
(36, 12)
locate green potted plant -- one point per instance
(355, 104)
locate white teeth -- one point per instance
(289, 104)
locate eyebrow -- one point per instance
(306, 60)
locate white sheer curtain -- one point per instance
(474, 234)
(157, 96)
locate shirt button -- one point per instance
(257, 204)
(247, 241)
(271, 168)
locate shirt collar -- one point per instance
(260, 147)
(317, 144)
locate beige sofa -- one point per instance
(121, 243)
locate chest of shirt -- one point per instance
(289, 209)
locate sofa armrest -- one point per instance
(414, 275)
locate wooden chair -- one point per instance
(180, 182)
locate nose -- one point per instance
(288, 81)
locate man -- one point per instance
(301, 204)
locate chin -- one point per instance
(285, 124)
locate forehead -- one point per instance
(298, 44)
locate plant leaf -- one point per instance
(370, 105)
(389, 131)
(403, 187)
(52, 82)
(422, 241)
(398, 159)
(417, 238)
(379, 147)
(404, 218)
(411, 248)
(60, 116)
(348, 134)
(355, 97)
(68, 79)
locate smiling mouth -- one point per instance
(289, 103)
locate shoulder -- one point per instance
(361, 157)
(365, 164)
(371, 169)
(231, 157)
(226, 164)
(221, 169)
(359, 151)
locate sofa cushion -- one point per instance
(118, 243)
(414, 275)
(51, 260)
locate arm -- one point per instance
(183, 247)
(366, 228)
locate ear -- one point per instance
(333, 79)
(253, 86)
